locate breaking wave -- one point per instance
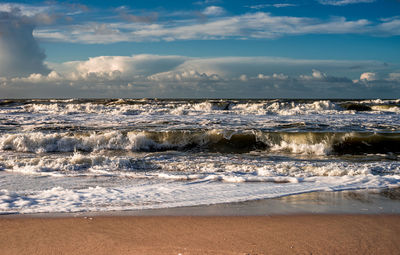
(312, 143)
(194, 107)
(226, 168)
(119, 154)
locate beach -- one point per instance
(295, 234)
(348, 222)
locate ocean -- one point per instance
(97, 155)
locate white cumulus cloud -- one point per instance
(213, 11)
(316, 75)
(368, 76)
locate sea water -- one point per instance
(124, 154)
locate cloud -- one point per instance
(390, 26)
(394, 77)
(213, 11)
(184, 76)
(246, 26)
(274, 76)
(77, 8)
(24, 9)
(316, 75)
(125, 14)
(262, 6)
(144, 19)
(206, 2)
(128, 66)
(31, 10)
(344, 2)
(19, 52)
(180, 76)
(69, 23)
(368, 76)
(37, 15)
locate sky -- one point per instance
(200, 49)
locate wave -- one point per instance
(371, 108)
(78, 164)
(326, 143)
(191, 167)
(213, 140)
(133, 196)
(196, 107)
(309, 143)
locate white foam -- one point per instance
(60, 142)
(310, 149)
(167, 180)
(173, 194)
(386, 108)
(190, 167)
(266, 107)
(111, 168)
(269, 115)
(206, 107)
(40, 142)
(288, 108)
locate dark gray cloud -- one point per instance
(19, 52)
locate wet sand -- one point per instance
(350, 222)
(294, 234)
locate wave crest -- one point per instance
(311, 143)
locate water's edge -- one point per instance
(365, 201)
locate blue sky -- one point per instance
(209, 48)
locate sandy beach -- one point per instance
(350, 222)
(295, 234)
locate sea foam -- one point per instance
(121, 154)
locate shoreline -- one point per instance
(384, 201)
(343, 222)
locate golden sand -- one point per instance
(301, 234)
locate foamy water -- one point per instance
(101, 155)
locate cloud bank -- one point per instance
(180, 76)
